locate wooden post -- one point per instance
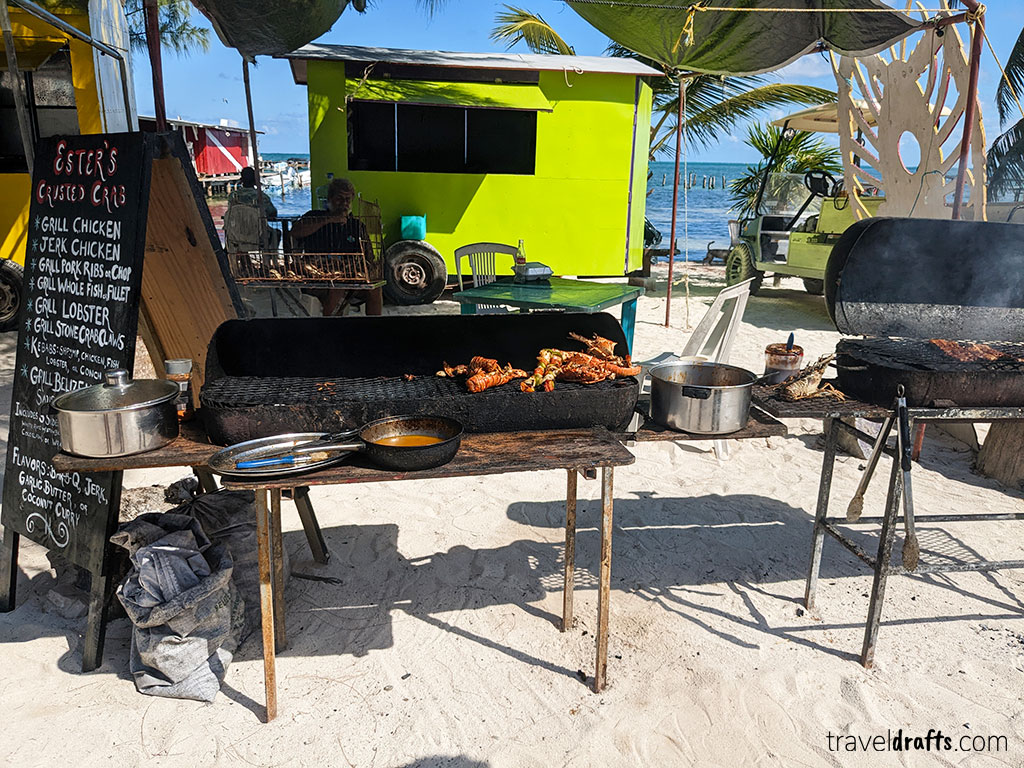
(18, 89)
(971, 108)
(570, 551)
(152, 20)
(675, 199)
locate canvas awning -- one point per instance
(272, 27)
(486, 95)
(738, 42)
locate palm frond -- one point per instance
(515, 25)
(1006, 161)
(801, 153)
(177, 32)
(1015, 72)
(708, 118)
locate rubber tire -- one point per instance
(12, 294)
(420, 261)
(739, 266)
(814, 287)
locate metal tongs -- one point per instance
(911, 548)
(904, 449)
(291, 454)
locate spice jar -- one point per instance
(180, 372)
(782, 362)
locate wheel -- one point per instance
(814, 287)
(415, 273)
(11, 294)
(739, 266)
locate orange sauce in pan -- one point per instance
(408, 441)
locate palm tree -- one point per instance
(796, 154)
(177, 32)
(1006, 156)
(714, 105)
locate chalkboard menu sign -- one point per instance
(83, 271)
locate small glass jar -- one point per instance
(180, 371)
(782, 363)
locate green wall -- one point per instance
(571, 213)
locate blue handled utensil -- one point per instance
(283, 461)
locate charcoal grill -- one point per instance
(901, 282)
(276, 375)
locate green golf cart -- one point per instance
(797, 218)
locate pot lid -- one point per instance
(117, 393)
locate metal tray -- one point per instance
(223, 462)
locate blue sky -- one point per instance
(208, 87)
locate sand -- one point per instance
(440, 645)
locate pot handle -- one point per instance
(116, 378)
(698, 393)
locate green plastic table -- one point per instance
(557, 293)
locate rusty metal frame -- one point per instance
(881, 562)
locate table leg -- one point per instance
(266, 601)
(277, 563)
(8, 570)
(314, 535)
(604, 590)
(824, 489)
(570, 550)
(885, 543)
(629, 322)
(96, 623)
(467, 309)
(207, 482)
(374, 302)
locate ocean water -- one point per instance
(708, 209)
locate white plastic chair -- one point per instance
(711, 339)
(482, 264)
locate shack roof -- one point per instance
(527, 62)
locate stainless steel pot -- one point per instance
(118, 417)
(702, 398)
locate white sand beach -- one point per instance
(440, 645)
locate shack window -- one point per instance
(51, 105)
(438, 139)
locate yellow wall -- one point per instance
(15, 188)
(571, 213)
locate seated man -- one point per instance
(335, 230)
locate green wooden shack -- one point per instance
(489, 147)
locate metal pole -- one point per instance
(675, 200)
(18, 89)
(972, 104)
(152, 15)
(55, 21)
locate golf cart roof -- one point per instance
(824, 118)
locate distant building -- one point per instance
(492, 147)
(216, 150)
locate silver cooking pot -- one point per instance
(702, 398)
(118, 417)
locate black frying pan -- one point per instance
(368, 440)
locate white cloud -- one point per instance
(811, 65)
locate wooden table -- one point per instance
(575, 451)
(557, 293)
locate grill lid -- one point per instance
(928, 278)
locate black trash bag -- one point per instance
(187, 613)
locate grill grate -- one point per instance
(254, 391)
(921, 354)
